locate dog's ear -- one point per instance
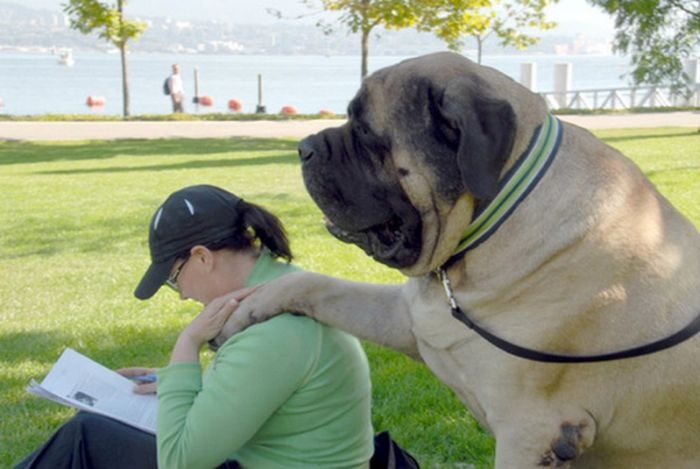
(486, 129)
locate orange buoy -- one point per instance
(95, 101)
(288, 111)
(235, 105)
(326, 113)
(206, 100)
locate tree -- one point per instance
(362, 16)
(87, 16)
(510, 20)
(658, 33)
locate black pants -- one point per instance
(91, 441)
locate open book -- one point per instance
(77, 381)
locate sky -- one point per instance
(573, 16)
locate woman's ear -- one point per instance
(203, 256)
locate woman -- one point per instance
(288, 392)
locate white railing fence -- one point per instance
(620, 98)
(563, 97)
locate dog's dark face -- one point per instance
(419, 136)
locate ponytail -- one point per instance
(255, 224)
(267, 228)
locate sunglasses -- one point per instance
(172, 280)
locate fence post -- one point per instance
(562, 83)
(692, 69)
(528, 75)
(260, 108)
(195, 98)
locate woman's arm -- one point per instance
(203, 424)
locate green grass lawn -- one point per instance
(73, 244)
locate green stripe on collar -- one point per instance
(515, 186)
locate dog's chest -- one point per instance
(448, 348)
(434, 324)
(458, 356)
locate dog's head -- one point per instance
(425, 140)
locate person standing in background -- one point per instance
(177, 91)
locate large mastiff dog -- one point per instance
(551, 245)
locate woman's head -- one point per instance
(206, 216)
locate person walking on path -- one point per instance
(177, 91)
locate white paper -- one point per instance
(77, 381)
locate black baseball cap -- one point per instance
(194, 215)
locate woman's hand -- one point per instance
(206, 326)
(212, 318)
(140, 387)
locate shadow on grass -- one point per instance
(126, 345)
(194, 164)
(35, 152)
(23, 346)
(649, 135)
(27, 420)
(50, 236)
(55, 235)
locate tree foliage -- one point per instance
(362, 16)
(450, 20)
(659, 34)
(512, 21)
(87, 16)
(108, 21)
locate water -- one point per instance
(37, 84)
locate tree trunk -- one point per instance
(125, 79)
(365, 53)
(365, 29)
(479, 47)
(125, 67)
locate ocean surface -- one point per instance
(38, 84)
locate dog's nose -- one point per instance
(306, 150)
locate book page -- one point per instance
(78, 381)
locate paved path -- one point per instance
(294, 128)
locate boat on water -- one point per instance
(65, 57)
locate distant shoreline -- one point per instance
(469, 53)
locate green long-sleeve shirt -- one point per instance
(288, 392)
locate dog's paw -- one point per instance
(567, 447)
(241, 319)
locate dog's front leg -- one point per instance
(377, 313)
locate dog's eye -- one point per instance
(364, 134)
(368, 142)
(450, 132)
(362, 130)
